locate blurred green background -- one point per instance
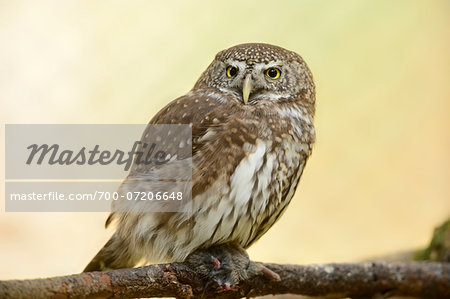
(378, 180)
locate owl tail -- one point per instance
(114, 255)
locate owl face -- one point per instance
(258, 73)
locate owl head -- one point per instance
(258, 73)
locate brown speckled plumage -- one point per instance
(247, 158)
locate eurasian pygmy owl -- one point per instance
(252, 114)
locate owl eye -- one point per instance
(273, 73)
(231, 71)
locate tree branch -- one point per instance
(357, 280)
(418, 279)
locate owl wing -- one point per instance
(218, 133)
(216, 148)
(194, 108)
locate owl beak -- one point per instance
(247, 88)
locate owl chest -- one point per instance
(242, 206)
(262, 186)
(264, 178)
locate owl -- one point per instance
(251, 113)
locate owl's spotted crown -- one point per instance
(254, 53)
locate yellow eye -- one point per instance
(231, 71)
(273, 73)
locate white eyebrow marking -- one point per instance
(263, 66)
(241, 65)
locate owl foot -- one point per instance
(221, 266)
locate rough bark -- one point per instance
(356, 280)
